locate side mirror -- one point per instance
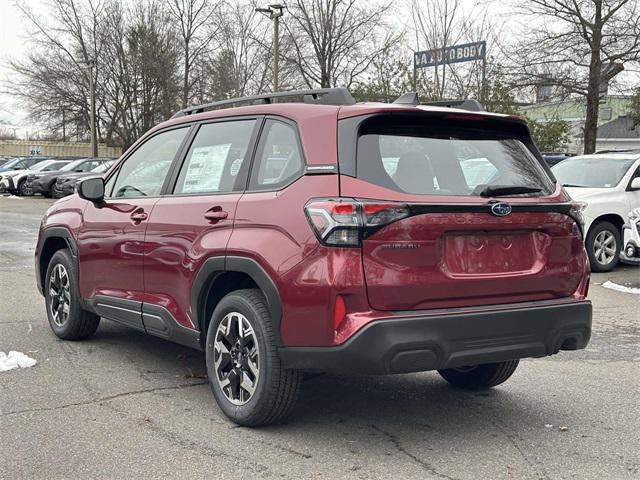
(91, 189)
(635, 183)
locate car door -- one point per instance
(111, 237)
(195, 220)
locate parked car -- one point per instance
(273, 237)
(43, 182)
(631, 238)
(21, 163)
(609, 183)
(553, 158)
(14, 181)
(66, 184)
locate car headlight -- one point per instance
(634, 214)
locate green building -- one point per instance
(573, 111)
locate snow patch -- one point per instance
(15, 360)
(12, 197)
(621, 288)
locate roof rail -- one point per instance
(412, 98)
(324, 96)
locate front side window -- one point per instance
(215, 159)
(143, 173)
(419, 158)
(279, 159)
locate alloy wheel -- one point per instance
(59, 295)
(604, 247)
(236, 358)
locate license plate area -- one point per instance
(473, 254)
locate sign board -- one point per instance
(458, 53)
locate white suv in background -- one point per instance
(609, 183)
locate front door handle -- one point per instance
(138, 215)
(215, 215)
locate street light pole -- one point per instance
(274, 12)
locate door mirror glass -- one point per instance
(92, 189)
(635, 183)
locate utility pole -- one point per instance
(274, 12)
(92, 94)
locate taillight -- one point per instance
(344, 222)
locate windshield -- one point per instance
(70, 166)
(53, 166)
(420, 158)
(40, 166)
(11, 163)
(102, 167)
(591, 172)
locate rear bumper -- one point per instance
(448, 340)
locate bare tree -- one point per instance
(193, 17)
(335, 41)
(54, 75)
(581, 45)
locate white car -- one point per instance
(609, 183)
(13, 181)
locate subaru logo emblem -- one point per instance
(500, 209)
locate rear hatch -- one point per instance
(473, 216)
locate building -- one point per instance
(618, 134)
(573, 111)
(21, 148)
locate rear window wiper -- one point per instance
(572, 185)
(504, 190)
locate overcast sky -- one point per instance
(14, 35)
(12, 43)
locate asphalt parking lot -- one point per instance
(125, 405)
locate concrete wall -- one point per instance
(57, 149)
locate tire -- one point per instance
(480, 376)
(603, 260)
(275, 390)
(23, 190)
(78, 323)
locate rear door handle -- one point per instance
(138, 215)
(215, 215)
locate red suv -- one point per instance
(325, 235)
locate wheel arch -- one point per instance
(219, 276)
(613, 218)
(52, 240)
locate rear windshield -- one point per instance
(427, 158)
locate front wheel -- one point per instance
(243, 365)
(62, 297)
(480, 376)
(603, 246)
(24, 190)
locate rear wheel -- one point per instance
(603, 246)
(62, 297)
(243, 365)
(480, 376)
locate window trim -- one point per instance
(117, 166)
(255, 163)
(241, 182)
